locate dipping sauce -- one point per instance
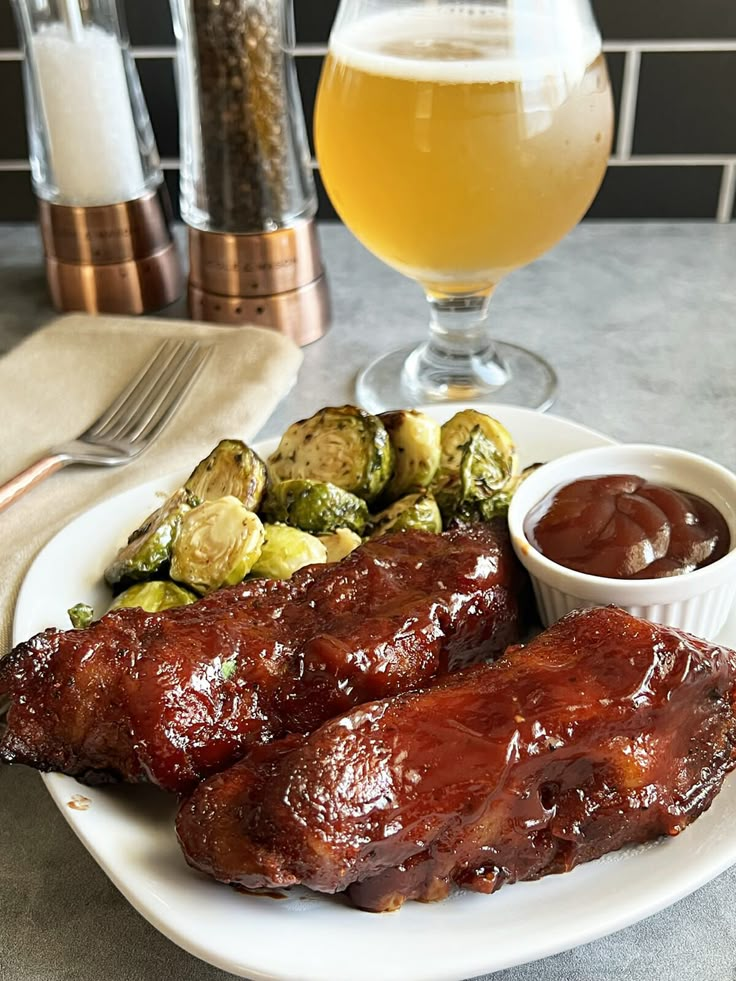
(623, 527)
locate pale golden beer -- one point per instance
(453, 153)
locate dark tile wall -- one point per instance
(673, 71)
(636, 20)
(687, 102)
(658, 192)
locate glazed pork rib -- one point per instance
(175, 696)
(605, 730)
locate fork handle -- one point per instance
(17, 486)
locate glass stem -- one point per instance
(458, 325)
(459, 361)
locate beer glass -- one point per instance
(459, 141)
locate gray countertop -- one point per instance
(638, 320)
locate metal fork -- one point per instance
(129, 424)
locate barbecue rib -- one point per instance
(175, 696)
(605, 730)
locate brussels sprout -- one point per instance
(316, 507)
(483, 472)
(154, 596)
(287, 549)
(149, 547)
(81, 615)
(475, 511)
(341, 542)
(416, 441)
(478, 459)
(415, 512)
(481, 512)
(343, 446)
(231, 469)
(217, 544)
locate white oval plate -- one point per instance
(130, 830)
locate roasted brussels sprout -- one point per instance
(415, 512)
(285, 550)
(81, 615)
(415, 438)
(217, 544)
(478, 459)
(480, 512)
(231, 469)
(475, 511)
(343, 446)
(341, 542)
(315, 506)
(149, 547)
(153, 596)
(483, 472)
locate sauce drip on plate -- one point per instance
(623, 527)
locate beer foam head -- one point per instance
(464, 43)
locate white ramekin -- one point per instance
(698, 602)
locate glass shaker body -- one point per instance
(90, 136)
(245, 159)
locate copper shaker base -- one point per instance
(132, 287)
(272, 279)
(302, 314)
(115, 258)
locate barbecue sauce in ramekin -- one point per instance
(623, 527)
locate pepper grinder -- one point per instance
(247, 190)
(103, 208)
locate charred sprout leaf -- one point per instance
(481, 512)
(341, 542)
(415, 512)
(344, 446)
(497, 506)
(478, 459)
(315, 506)
(154, 596)
(231, 469)
(149, 548)
(285, 550)
(456, 433)
(81, 615)
(483, 471)
(415, 438)
(217, 544)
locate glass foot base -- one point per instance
(514, 377)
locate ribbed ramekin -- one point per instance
(698, 601)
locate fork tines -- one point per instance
(149, 400)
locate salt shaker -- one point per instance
(104, 214)
(247, 189)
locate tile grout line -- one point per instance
(671, 47)
(727, 194)
(143, 53)
(673, 160)
(308, 50)
(17, 164)
(627, 110)
(319, 50)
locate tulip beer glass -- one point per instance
(459, 141)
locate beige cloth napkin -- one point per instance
(60, 379)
